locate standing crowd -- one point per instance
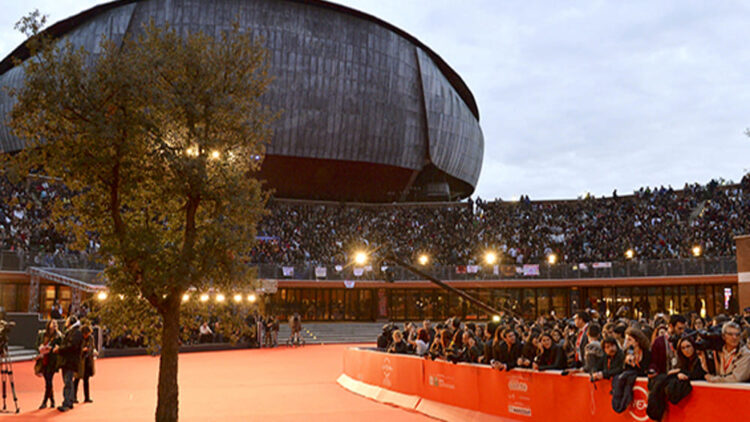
(672, 351)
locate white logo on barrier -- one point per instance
(517, 385)
(639, 404)
(387, 369)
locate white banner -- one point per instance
(349, 284)
(320, 272)
(288, 271)
(530, 269)
(602, 265)
(338, 268)
(472, 269)
(358, 272)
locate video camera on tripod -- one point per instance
(6, 366)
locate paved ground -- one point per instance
(282, 384)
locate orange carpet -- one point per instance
(281, 384)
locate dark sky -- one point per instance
(576, 97)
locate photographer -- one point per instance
(733, 360)
(386, 337)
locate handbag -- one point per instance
(39, 366)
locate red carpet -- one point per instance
(281, 384)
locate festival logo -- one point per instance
(387, 370)
(519, 400)
(639, 404)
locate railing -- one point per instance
(632, 268)
(21, 261)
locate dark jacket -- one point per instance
(612, 366)
(694, 370)
(508, 356)
(552, 358)
(659, 359)
(50, 362)
(70, 348)
(398, 347)
(641, 368)
(86, 366)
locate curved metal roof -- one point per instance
(64, 26)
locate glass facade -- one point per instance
(410, 304)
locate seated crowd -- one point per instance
(671, 350)
(659, 223)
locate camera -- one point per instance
(709, 339)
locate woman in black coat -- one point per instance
(551, 356)
(47, 362)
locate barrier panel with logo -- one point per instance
(528, 395)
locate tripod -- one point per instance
(6, 369)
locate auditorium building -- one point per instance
(368, 114)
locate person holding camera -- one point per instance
(637, 360)
(732, 361)
(47, 362)
(690, 364)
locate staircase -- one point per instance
(19, 354)
(335, 332)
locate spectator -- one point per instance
(663, 354)
(551, 355)
(732, 362)
(398, 345)
(613, 363)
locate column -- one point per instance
(743, 270)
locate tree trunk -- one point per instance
(167, 404)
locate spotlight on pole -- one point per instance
(238, 298)
(551, 259)
(252, 298)
(629, 254)
(185, 297)
(496, 318)
(204, 297)
(220, 298)
(102, 295)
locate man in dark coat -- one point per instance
(663, 354)
(70, 351)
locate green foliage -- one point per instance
(160, 137)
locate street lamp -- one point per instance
(204, 297)
(629, 254)
(252, 298)
(220, 298)
(238, 298)
(102, 295)
(551, 259)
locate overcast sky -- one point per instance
(575, 97)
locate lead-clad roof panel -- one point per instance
(349, 88)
